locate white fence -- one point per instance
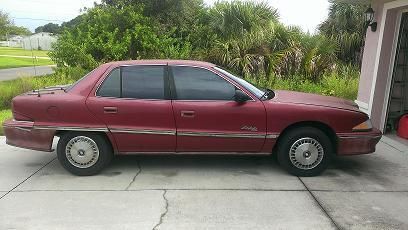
(17, 44)
(38, 42)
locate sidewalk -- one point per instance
(4, 55)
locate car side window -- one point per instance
(143, 82)
(193, 83)
(139, 82)
(111, 86)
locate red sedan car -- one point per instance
(176, 107)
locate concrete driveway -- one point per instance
(13, 73)
(203, 192)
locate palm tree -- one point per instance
(253, 43)
(346, 24)
(234, 19)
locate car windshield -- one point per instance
(253, 89)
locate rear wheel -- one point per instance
(84, 154)
(305, 151)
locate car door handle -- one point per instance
(109, 109)
(188, 114)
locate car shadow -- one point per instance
(193, 161)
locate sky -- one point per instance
(33, 13)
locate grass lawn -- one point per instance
(12, 62)
(22, 52)
(4, 115)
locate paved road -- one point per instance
(19, 56)
(8, 74)
(204, 192)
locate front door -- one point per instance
(207, 117)
(133, 103)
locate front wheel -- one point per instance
(305, 151)
(84, 154)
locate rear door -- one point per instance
(207, 117)
(134, 103)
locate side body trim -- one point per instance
(154, 132)
(63, 128)
(359, 136)
(226, 135)
(144, 131)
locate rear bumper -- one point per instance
(22, 134)
(358, 142)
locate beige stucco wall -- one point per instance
(369, 57)
(384, 67)
(376, 64)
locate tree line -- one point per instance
(7, 27)
(243, 36)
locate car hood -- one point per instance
(314, 99)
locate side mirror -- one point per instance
(240, 96)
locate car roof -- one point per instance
(164, 62)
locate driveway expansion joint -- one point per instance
(166, 209)
(320, 205)
(15, 187)
(137, 174)
(392, 146)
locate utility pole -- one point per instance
(32, 57)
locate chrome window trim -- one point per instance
(147, 64)
(131, 99)
(194, 66)
(221, 76)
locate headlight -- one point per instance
(363, 127)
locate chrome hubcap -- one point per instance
(82, 152)
(306, 153)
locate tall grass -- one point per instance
(342, 82)
(4, 115)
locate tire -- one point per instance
(302, 162)
(93, 153)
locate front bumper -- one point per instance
(23, 134)
(358, 142)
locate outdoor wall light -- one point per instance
(369, 15)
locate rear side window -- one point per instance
(200, 84)
(111, 86)
(143, 82)
(139, 82)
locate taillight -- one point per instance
(20, 117)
